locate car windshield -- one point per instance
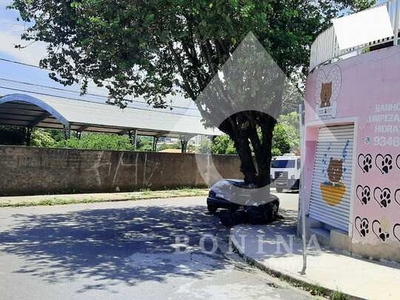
(283, 163)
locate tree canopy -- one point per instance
(155, 48)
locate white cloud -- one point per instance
(31, 54)
(4, 3)
(12, 26)
(10, 32)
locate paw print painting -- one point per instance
(396, 231)
(379, 231)
(397, 196)
(398, 161)
(384, 163)
(362, 226)
(382, 196)
(365, 162)
(363, 194)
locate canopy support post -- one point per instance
(133, 137)
(67, 132)
(184, 143)
(155, 141)
(28, 135)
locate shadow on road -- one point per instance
(128, 244)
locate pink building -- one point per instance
(351, 182)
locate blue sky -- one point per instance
(10, 31)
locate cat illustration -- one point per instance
(335, 170)
(326, 94)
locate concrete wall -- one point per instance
(27, 170)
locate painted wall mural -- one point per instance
(380, 230)
(363, 194)
(384, 163)
(362, 226)
(363, 90)
(327, 92)
(382, 167)
(365, 162)
(396, 231)
(333, 188)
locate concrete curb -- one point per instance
(66, 199)
(303, 283)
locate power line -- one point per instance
(21, 63)
(76, 92)
(64, 90)
(75, 99)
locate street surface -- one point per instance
(125, 250)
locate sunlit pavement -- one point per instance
(123, 250)
(289, 199)
(276, 248)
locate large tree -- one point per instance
(155, 48)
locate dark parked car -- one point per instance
(233, 194)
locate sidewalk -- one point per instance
(355, 277)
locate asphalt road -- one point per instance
(124, 250)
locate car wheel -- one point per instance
(272, 211)
(232, 209)
(211, 208)
(256, 215)
(279, 190)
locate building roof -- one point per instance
(53, 113)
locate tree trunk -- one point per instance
(256, 168)
(264, 161)
(247, 166)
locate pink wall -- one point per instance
(365, 88)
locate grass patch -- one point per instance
(338, 295)
(132, 196)
(317, 290)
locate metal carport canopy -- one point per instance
(54, 113)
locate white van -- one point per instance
(285, 172)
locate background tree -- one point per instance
(144, 143)
(286, 137)
(98, 141)
(204, 147)
(157, 48)
(165, 146)
(223, 145)
(12, 135)
(42, 138)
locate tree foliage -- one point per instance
(204, 147)
(223, 145)
(42, 138)
(12, 135)
(155, 48)
(286, 138)
(98, 141)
